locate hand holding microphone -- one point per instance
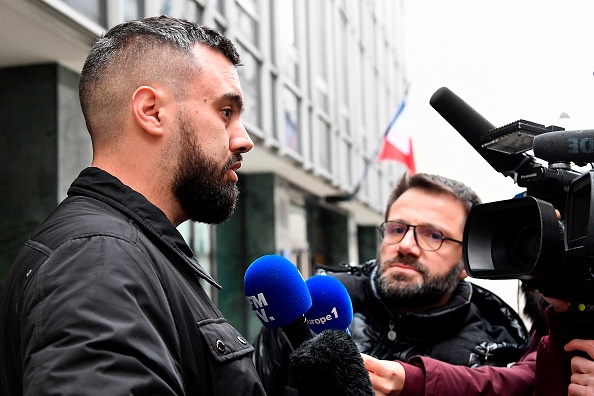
(326, 364)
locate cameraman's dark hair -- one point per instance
(434, 184)
(141, 52)
(534, 309)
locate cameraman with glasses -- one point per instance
(413, 300)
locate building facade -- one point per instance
(321, 81)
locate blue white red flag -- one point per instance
(397, 143)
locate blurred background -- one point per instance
(322, 81)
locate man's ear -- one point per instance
(147, 111)
(463, 273)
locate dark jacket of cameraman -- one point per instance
(474, 328)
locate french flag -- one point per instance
(397, 143)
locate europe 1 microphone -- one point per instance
(331, 306)
(279, 297)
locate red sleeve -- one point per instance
(543, 373)
(553, 365)
(414, 379)
(426, 376)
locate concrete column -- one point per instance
(43, 143)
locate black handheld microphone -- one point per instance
(279, 297)
(330, 364)
(473, 126)
(565, 146)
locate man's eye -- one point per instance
(227, 113)
(432, 234)
(396, 230)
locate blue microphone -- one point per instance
(279, 297)
(331, 307)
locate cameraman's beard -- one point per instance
(397, 291)
(199, 184)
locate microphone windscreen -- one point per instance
(331, 306)
(330, 364)
(276, 291)
(565, 146)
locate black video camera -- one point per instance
(525, 238)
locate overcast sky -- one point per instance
(509, 60)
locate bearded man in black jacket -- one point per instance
(413, 299)
(106, 297)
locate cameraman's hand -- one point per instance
(387, 377)
(582, 368)
(558, 305)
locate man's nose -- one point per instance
(408, 244)
(240, 141)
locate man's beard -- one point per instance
(199, 183)
(396, 291)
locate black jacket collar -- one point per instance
(98, 184)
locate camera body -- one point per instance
(545, 236)
(525, 238)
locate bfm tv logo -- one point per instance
(257, 303)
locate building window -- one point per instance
(321, 95)
(273, 94)
(247, 24)
(349, 165)
(288, 46)
(95, 10)
(362, 86)
(186, 9)
(200, 238)
(133, 9)
(346, 158)
(220, 6)
(319, 49)
(324, 144)
(300, 254)
(344, 123)
(249, 75)
(220, 27)
(344, 85)
(291, 111)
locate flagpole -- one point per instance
(371, 159)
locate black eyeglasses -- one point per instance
(428, 238)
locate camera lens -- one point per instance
(526, 246)
(518, 238)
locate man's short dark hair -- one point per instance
(434, 184)
(136, 53)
